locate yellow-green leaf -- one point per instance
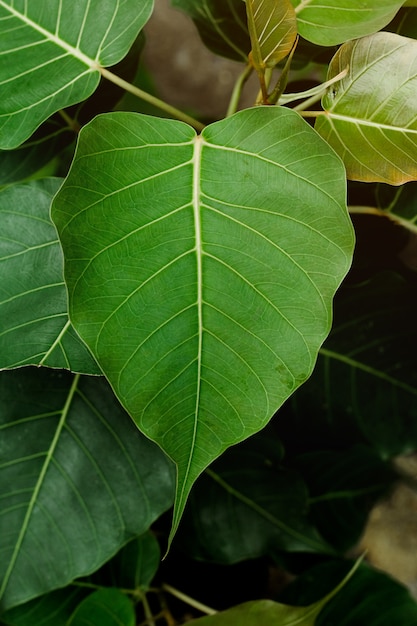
(272, 29)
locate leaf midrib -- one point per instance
(75, 52)
(39, 484)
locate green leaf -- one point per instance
(105, 607)
(370, 597)
(371, 114)
(222, 25)
(330, 22)
(343, 486)
(136, 564)
(267, 612)
(77, 480)
(199, 288)
(246, 506)
(52, 609)
(273, 30)
(366, 370)
(35, 329)
(50, 59)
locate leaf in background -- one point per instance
(343, 486)
(366, 372)
(34, 327)
(136, 564)
(52, 609)
(370, 115)
(105, 607)
(199, 288)
(50, 59)
(222, 25)
(247, 506)
(273, 30)
(77, 480)
(331, 22)
(370, 597)
(267, 612)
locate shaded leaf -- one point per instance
(203, 298)
(222, 25)
(266, 612)
(77, 480)
(330, 22)
(371, 114)
(52, 609)
(35, 329)
(370, 597)
(247, 506)
(51, 59)
(366, 376)
(136, 564)
(273, 30)
(343, 487)
(105, 607)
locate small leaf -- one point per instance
(136, 564)
(77, 480)
(370, 116)
(35, 329)
(272, 29)
(105, 607)
(330, 22)
(51, 59)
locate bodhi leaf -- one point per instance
(77, 480)
(105, 607)
(50, 56)
(222, 25)
(34, 328)
(273, 30)
(370, 116)
(331, 22)
(201, 269)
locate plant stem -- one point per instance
(191, 601)
(237, 89)
(312, 113)
(160, 104)
(309, 102)
(147, 609)
(72, 124)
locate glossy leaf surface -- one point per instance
(50, 58)
(34, 328)
(105, 607)
(201, 291)
(77, 481)
(331, 22)
(272, 28)
(371, 114)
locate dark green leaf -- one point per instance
(247, 506)
(77, 480)
(52, 609)
(35, 329)
(222, 25)
(106, 607)
(136, 564)
(199, 289)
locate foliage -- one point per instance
(181, 324)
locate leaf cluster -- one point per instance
(207, 330)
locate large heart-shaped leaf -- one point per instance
(371, 114)
(50, 56)
(34, 328)
(77, 480)
(330, 22)
(201, 269)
